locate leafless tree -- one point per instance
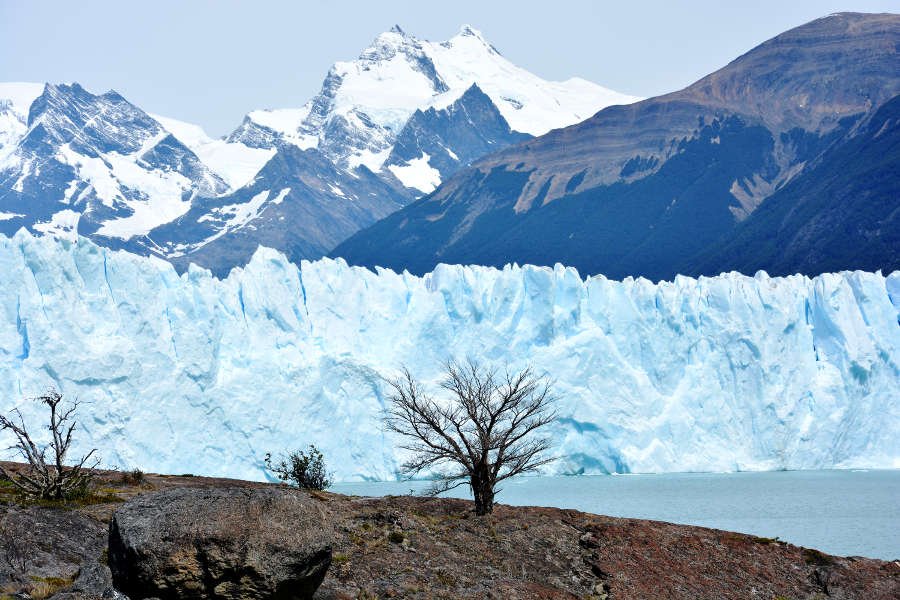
(483, 433)
(49, 479)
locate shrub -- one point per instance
(133, 477)
(305, 470)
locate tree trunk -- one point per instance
(483, 490)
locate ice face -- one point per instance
(196, 374)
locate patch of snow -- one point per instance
(70, 191)
(371, 160)
(235, 216)
(95, 172)
(235, 163)
(280, 197)
(418, 174)
(238, 215)
(282, 120)
(63, 224)
(25, 171)
(6, 216)
(232, 213)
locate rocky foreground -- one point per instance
(191, 537)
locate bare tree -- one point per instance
(44, 478)
(484, 432)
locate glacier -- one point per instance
(192, 373)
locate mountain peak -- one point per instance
(471, 37)
(469, 31)
(387, 44)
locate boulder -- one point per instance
(224, 543)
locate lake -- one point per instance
(852, 513)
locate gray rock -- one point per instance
(94, 581)
(224, 543)
(40, 543)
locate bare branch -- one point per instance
(51, 479)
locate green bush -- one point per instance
(305, 470)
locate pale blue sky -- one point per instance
(211, 62)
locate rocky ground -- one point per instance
(411, 547)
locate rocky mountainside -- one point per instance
(840, 212)
(654, 188)
(94, 164)
(193, 537)
(384, 129)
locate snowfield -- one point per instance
(195, 374)
(234, 162)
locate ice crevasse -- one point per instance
(196, 374)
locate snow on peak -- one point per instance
(529, 103)
(236, 163)
(100, 155)
(364, 103)
(188, 134)
(471, 32)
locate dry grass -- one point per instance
(44, 587)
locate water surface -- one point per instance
(839, 512)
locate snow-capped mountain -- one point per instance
(711, 374)
(96, 164)
(365, 104)
(385, 129)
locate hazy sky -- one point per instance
(211, 62)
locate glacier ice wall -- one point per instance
(195, 374)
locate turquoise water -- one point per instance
(852, 513)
